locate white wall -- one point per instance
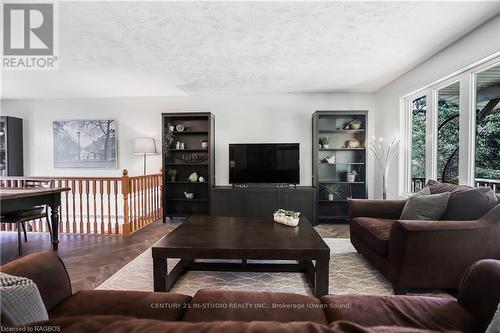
(239, 118)
(479, 44)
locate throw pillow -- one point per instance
(465, 203)
(425, 206)
(494, 326)
(21, 300)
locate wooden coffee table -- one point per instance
(204, 237)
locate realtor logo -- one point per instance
(28, 36)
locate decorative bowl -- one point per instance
(287, 220)
(189, 195)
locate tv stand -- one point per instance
(276, 185)
(263, 201)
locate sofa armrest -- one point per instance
(47, 271)
(387, 209)
(436, 254)
(480, 291)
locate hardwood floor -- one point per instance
(91, 260)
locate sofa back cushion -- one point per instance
(466, 203)
(425, 206)
(47, 271)
(117, 324)
(213, 305)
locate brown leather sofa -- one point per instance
(245, 311)
(427, 254)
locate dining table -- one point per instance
(16, 199)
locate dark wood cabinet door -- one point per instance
(260, 203)
(299, 201)
(228, 203)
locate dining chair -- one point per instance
(21, 217)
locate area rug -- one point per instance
(350, 273)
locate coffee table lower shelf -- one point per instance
(317, 274)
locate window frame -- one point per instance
(467, 122)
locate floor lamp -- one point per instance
(145, 146)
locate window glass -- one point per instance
(448, 128)
(487, 159)
(418, 131)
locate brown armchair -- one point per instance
(421, 254)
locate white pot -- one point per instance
(204, 145)
(330, 196)
(326, 146)
(355, 126)
(351, 178)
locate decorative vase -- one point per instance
(331, 159)
(204, 145)
(193, 177)
(351, 178)
(201, 179)
(330, 196)
(171, 128)
(353, 143)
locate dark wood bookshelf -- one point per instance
(348, 157)
(340, 149)
(197, 126)
(11, 146)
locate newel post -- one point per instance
(162, 208)
(125, 192)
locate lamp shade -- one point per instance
(145, 146)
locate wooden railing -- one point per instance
(491, 183)
(418, 183)
(101, 205)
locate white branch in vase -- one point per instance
(384, 152)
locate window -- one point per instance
(452, 130)
(448, 132)
(487, 141)
(418, 131)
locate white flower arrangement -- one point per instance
(286, 217)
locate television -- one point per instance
(264, 163)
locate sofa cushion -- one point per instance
(374, 232)
(425, 206)
(465, 203)
(115, 324)
(138, 304)
(433, 313)
(21, 300)
(212, 305)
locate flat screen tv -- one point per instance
(264, 163)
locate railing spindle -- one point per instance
(117, 226)
(87, 196)
(108, 188)
(80, 191)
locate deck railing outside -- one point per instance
(100, 205)
(492, 183)
(418, 183)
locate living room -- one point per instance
(319, 161)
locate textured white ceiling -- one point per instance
(174, 48)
